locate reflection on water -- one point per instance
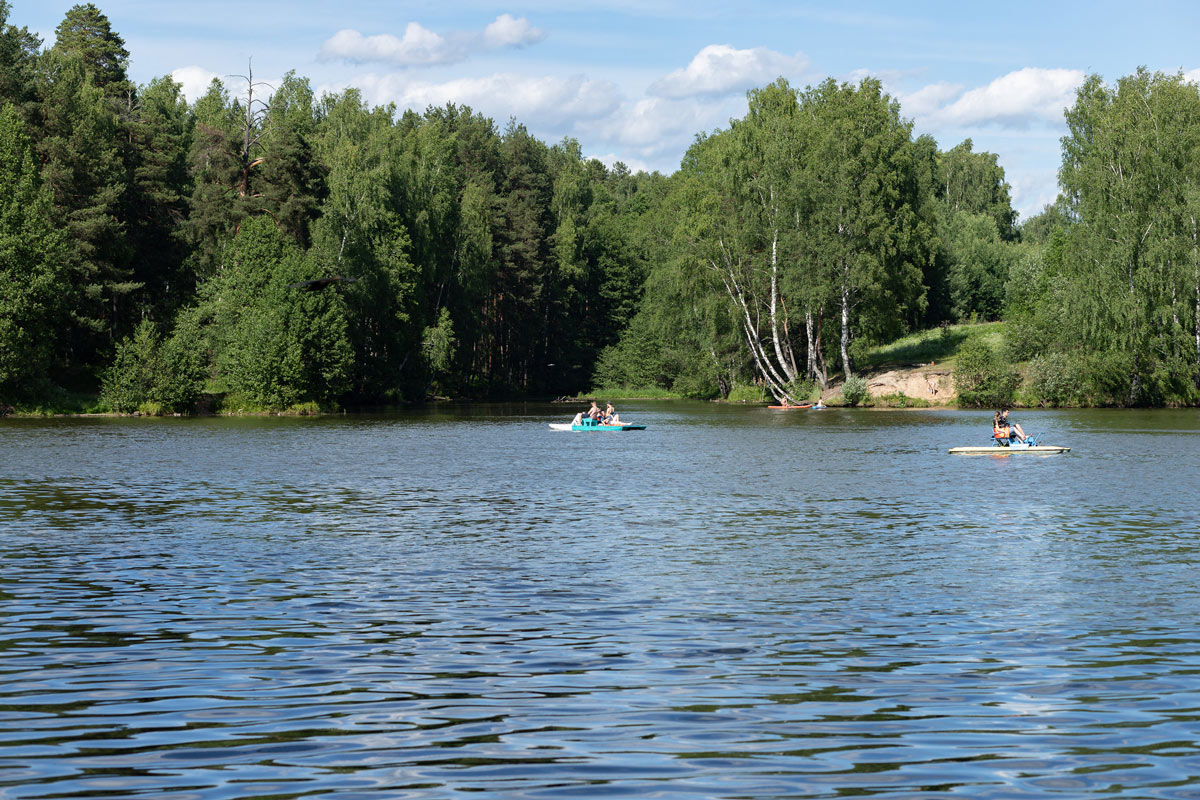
(733, 603)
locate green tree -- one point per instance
(82, 155)
(275, 345)
(85, 33)
(155, 204)
(19, 49)
(291, 184)
(360, 236)
(866, 226)
(974, 183)
(32, 252)
(1130, 179)
(214, 167)
(979, 262)
(982, 378)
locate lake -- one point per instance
(733, 603)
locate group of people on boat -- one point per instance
(606, 417)
(1005, 430)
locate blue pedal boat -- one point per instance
(590, 425)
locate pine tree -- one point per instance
(32, 252)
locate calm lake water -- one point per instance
(734, 603)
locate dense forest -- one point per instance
(264, 248)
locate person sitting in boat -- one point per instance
(1001, 431)
(594, 412)
(1012, 425)
(610, 415)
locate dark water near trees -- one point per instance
(735, 603)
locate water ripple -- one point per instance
(381, 607)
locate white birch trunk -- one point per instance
(808, 340)
(772, 304)
(847, 365)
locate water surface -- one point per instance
(734, 603)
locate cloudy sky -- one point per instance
(635, 80)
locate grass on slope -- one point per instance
(939, 345)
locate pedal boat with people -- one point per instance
(1010, 445)
(590, 425)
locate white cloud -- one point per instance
(651, 122)
(422, 47)
(1015, 99)
(1192, 76)
(720, 69)
(194, 80)
(418, 47)
(657, 132)
(509, 32)
(1032, 190)
(928, 99)
(634, 164)
(544, 100)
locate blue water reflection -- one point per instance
(734, 603)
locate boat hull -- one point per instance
(782, 408)
(992, 450)
(566, 426)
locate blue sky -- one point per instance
(635, 80)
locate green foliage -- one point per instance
(899, 400)
(747, 393)
(982, 378)
(437, 345)
(18, 54)
(85, 33)
(854, 390)
(1055, 379)
(974, 184)
(1129, 265)
(148, 371)
(135, 372)
(616, 393)
(151, 409)
(184, 360)
(80, 146)
(31, 274)
(309, 409)
(273, 344)
(483, 261)
(939, 345)
(978, 265)
(1039, 228)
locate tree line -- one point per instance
(158, 250)
(265, 248)
(817, 226)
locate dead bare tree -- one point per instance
(256, 125)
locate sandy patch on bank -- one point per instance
(925, 381)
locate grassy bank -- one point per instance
(939, 345)
(615, 393)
